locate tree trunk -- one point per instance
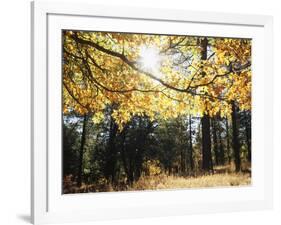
(145, 128)
(248, 138)
(235, 138)
(227, 141)
(111, 153)
(123, 154)
(140, 140)
(190, 145)
(221, 152)
(215, 141)
(81, 152)
(207, 164)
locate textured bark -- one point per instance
(81, 152)
(248, 139)
(190, 145)
(207, 164)
(227, 141)
(221, 147)
(215, 141)
(235, 138)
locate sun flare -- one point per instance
(150, 59)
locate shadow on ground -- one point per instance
(25, 218)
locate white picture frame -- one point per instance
(48, 205)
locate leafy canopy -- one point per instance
(159, 76)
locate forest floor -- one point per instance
(202, 181)
(223, 176)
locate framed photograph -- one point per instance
(140, 112)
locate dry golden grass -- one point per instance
(224, 176)
(174, 182)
